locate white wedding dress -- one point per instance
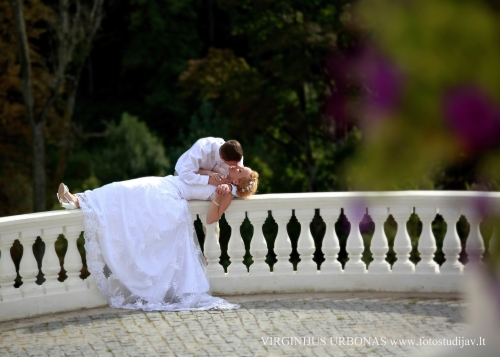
(142, 250)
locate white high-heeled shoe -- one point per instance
(61, 196)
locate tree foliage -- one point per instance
(323, 95)
(131, 151)
(53, 39)
(135, 64)
(15, 132)
(278, 88)
(126, 150)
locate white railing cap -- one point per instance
(311, 200)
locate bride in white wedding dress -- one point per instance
(141, 247)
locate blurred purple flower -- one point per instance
(495, 287)
(338, 67)
(358, 208)
(483, 206)
(365, 73)
(474, 118)
(383, 83)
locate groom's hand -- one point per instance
(216, 179)
(216, 176)
(223, 189)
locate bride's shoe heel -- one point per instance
(61, 196)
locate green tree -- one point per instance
(126, 150)
(52, 42)
(130, 151)
(135, 65)
(276, 90)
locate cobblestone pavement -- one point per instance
(266, 325)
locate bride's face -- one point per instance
(238, 172)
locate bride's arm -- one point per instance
(218, 206)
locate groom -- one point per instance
(214, 155)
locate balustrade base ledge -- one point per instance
(337, 282)
(249, 285)
(51, 303)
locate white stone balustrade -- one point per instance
(355, 245)
(427, 241)
(74, 293)
(305, 245)
(451, 244)
(402, 241)
(236, 248)
(212, 247)
(258, 245)
(28, 269)
(379, 245)
(474, 246)
(331, 245)
(73, 260)
(50, 262)
(7, 270)
(282, 244)
(494, 241)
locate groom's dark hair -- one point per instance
(231, 151)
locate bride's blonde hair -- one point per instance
(247, 186)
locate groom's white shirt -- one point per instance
(204, 154)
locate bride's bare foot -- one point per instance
(72, 198)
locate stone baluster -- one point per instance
(355, 245)
(8, 269)
(282, 244)
(402, 241)
(50, 262)
(72, 260)
(330, 246)
(305, 245)
(211, 248)
(494, 241)
(236, 247)
(379, 245)
(427, 242)
(194, 217)
(258, 245)
(474, 246)
(28, 269)
(451, 244)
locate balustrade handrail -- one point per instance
(313, 200)
(53, 295)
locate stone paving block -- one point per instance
(241, 332)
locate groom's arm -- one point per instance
(188, 165)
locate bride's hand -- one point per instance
(223, 189)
